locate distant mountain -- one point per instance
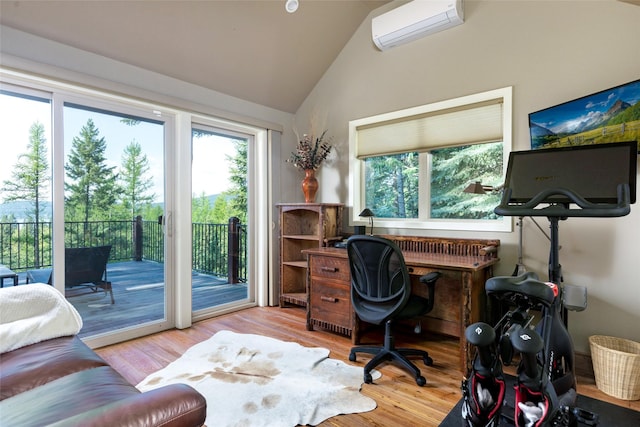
(617, 107)
(23, 210)
(598, 119)
(538, 131)
(630, 114)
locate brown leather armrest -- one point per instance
(175, 405)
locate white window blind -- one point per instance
(463, 125)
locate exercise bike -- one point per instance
(545, 389)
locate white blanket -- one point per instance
(33, 313)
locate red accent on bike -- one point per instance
(553, 287)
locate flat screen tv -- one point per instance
(591, 171)
(611, 115)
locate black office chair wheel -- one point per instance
(352, 357)
(368, 378)
(421, 381)
(428, 361)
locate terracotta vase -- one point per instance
(309, 185)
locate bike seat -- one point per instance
(525, 284)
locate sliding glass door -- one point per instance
(95, 200)
(219, 217)
(114, 191)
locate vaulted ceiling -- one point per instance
(253, 50)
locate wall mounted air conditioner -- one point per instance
(415, 19)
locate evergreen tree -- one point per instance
(91, 186)
(134, 180)
(392, 185)
(238, 192)
(201, 211)
(30, 180)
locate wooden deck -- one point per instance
(138, 290)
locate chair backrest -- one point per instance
(380, 283)
(85, 265)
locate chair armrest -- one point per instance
(430, 279)
(175, 405)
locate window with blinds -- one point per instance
(410, 167)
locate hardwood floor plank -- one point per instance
(400, 401)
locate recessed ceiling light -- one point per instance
(291, 6)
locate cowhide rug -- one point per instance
(251, 380)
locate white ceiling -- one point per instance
(253, 50)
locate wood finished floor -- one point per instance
(400, 401)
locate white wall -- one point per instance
(550, 52)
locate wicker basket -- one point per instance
(616, 365)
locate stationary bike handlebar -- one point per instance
(560, 209)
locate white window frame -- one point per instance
(357, 166)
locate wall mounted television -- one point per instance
(591, 171)
(611, 115)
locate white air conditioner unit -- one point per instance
(415, 19)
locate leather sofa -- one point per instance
(49, 377)
(62, 382)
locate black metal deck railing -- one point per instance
(218, 249)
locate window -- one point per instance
(410, 167)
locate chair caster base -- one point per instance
(368, 379)
(421, 381)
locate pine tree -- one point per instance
(238, 191)
(134, 180)
(91, 186)
(31, 179)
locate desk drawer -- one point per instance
(331, 303)
(330, 268)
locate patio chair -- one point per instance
(84, 267)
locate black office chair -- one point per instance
(381, 293)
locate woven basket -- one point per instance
(616, 365)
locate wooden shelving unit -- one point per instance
(304, 226)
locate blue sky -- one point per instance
(567, 116)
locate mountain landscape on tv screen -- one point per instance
(608, 116)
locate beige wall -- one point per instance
(550, 52)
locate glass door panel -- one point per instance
(219, 218)
(25, 182)
(114, 197)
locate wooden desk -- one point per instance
(460, 298)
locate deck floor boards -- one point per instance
(138, 291)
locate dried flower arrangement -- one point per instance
(310, 154)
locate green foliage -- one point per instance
(30, 182)
(237, 194)
(151, 212)
(631, 114)
(134, 179)
(91, 186)
(392, 187)
(453, 169)
(30, 177)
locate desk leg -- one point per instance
(473, 309)
(465, 320)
